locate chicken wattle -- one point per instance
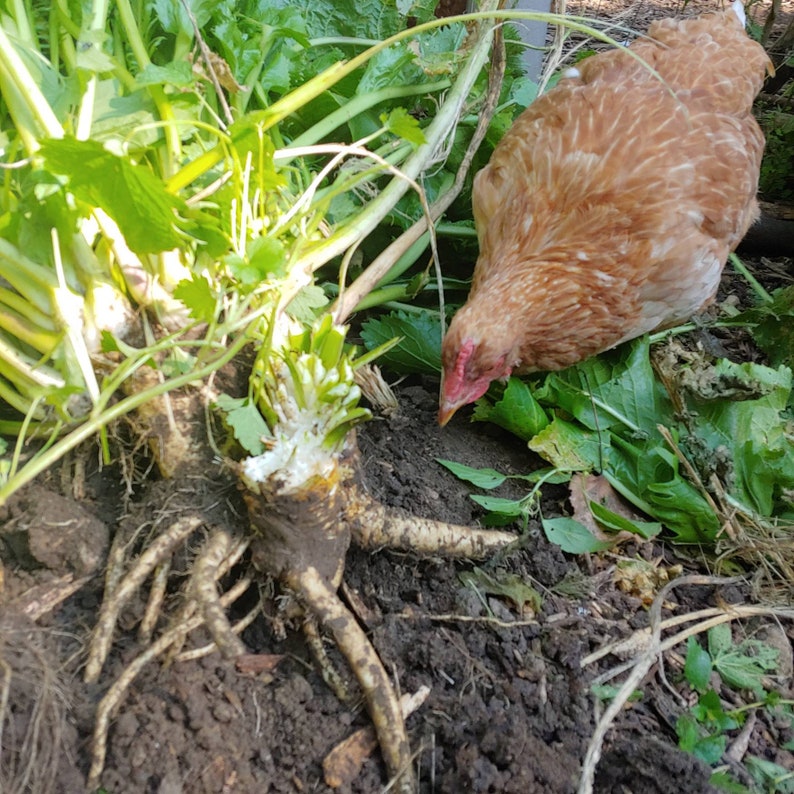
(610, 207)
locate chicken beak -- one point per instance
(446, 412)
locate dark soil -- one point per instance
(509, 710)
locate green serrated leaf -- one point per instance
(419, 349)
(401, 123)
(304, 305)
(572, 536)
(720, 639)
(176, 73)
(196, 293)
(130, 194)
(482, 478)
(773, 326)
(517, 411)
(246, 422)
(742, 671)
(614, 390)
(697, 667)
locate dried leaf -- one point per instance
(343, 764)
(257, 663)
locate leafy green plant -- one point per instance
(704, 729)
(777, 168)
(612, 415)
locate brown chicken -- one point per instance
(610, 207)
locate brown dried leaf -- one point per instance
(644, 579)
(257, 663)
(343, 764)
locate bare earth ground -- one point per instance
(510, 708)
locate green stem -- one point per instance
(20, 15)
(33, 281)
(361, 103)
(742, 270)
(164, 107)
(42, 462)
(405, 261)
(96, 23)
(65, 19)
(25, 91)
(382, 295)
(455, 230)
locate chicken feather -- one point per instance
(609, 208)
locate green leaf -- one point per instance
(752, 431)
(197, 295)
(247, 424)
(419, 349)
(720, 639)
(773, 326)
(304, 305)
(741, 670)
(646, 473)
(770, 776)
(482, 478)
(697, 667)
(131, 194)
(498, 504)
(507, 585)
(572, 536)
(614, 390)
(265, 258)
(710, 712)
(517, 411)
(401, 123)
(724, 782)
(688, 731)
(176, 73)
(710, 749)
(618, 523)
(569, 447)
(396, 65)
(173, 17)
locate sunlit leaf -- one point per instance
(131, 194)
(406, 126)
(197, 295)
(569, 446)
